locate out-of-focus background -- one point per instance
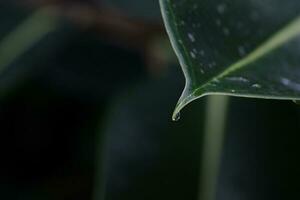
(87, 89)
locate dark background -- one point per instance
(85, 113)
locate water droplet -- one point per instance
(202, 71)
(226, 31)
(216, 80)
(285, 81)
(242, 51)
(202, 52)
(233, 91)
(256, 86)
(290, 84)
(191, 37)
(176, 117)
(240, 79)
(193, 54)
(221, 8)
(218, 22)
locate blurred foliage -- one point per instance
(51, 119)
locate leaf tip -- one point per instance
(178, 108)
(185, 99)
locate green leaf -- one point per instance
(246, 48)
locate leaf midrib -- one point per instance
(289, 32)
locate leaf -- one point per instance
(246, 48)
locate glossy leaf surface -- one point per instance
(244, 48)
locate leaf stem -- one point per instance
(216, 113)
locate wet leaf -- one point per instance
(246, 48)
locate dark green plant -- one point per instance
(238, 48)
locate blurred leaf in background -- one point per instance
(51, 118)
(147, 156)
(27, 39)
(56, 93)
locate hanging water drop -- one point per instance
(176, 117)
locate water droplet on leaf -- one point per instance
(191, 37)
(221, 8)
(193, 54)
(226, 31)
(256, 86)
